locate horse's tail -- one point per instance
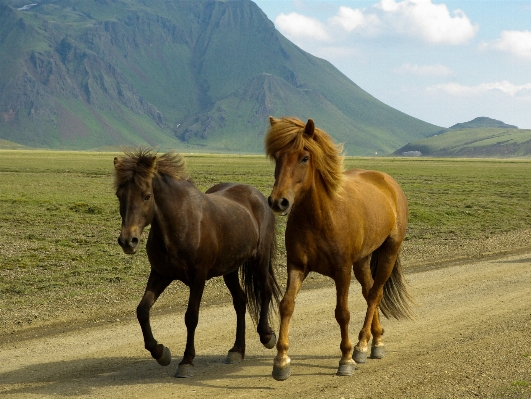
(396, 301)
(251, 284)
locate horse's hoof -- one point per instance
(184, 371)
(272, 342)
(360, 356)
(233, 357)
(281, 373)
(377, 352)
(165, 359)
(346, 369)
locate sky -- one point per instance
(444, 62)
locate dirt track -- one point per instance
(471, 338)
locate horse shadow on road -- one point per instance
(85, 376)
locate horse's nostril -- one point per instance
(284, 203)
(134, 242)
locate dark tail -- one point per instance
(251, 285)
(396, 301)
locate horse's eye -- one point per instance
(305, 159)
(147, 197)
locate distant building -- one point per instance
(412, 153)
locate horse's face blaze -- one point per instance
(293, 176)
(136, 210)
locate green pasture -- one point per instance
(59, 217)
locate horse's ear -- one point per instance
(153, 166)
(272, 121)
(309, 128)
(116, 161)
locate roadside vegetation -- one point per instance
(59, 223)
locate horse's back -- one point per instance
(234, 191)
(234, 196)
(366, 182)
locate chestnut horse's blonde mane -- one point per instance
(142, 164)
(288, 133)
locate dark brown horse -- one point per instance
(193, 237)
(338, 222)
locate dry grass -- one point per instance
(59, 223)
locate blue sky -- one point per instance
(444, 62)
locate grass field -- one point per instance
(59, 220)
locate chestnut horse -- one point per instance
(193, 237)
(337, 222)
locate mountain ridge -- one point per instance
(482, 122)
(480, 137)
(178, 74)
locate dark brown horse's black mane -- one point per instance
(142, 164)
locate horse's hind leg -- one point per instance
(155, 286)
(387, 255)
(363, 274)
(237, 353)
(266, 286)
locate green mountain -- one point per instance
(481, 137)
(482, 122)
(185, 74)
(9, 145)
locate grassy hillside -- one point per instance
(9, 145)
(202, 75)
(482, 122)
(474, 142)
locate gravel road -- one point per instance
(471, 339)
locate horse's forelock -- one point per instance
(288, 134)
(284, 133)
(138, 166)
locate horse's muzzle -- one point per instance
(129, 245)
(279, 206)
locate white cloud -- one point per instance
(431, 22)
(512, 41)
(453, 88)
(350, 19)
(420, 19)
(424, 70)
(300, 26)
(503, 86)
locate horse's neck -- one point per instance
(176, 205)
(314, 207)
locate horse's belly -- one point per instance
(231, 258)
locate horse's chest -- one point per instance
(167, 263)
(318, 251)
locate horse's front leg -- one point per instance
(281, 364)
(191, 318)
(237, 353)
(342, 313)
(155, 286)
